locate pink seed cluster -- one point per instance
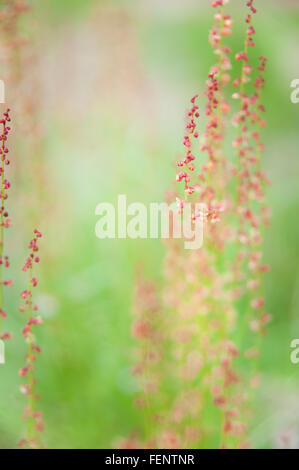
(31, 415)
(198, 324)
(5, 222)
(191, 134)
(252, 210)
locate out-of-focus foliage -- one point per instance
(113, 81)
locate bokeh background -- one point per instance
(98, 91)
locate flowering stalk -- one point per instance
(251, 209)
(31, 414)
(149, 328)
(187, 163)
(4, 219)
(202, 319)
(213, 362)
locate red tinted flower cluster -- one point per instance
(4, 218)
(198, 339)
(191, 134)
(251, 208)
(31, 415)
(218, 78)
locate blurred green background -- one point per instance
(110, 82)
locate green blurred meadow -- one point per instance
(111, 81)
